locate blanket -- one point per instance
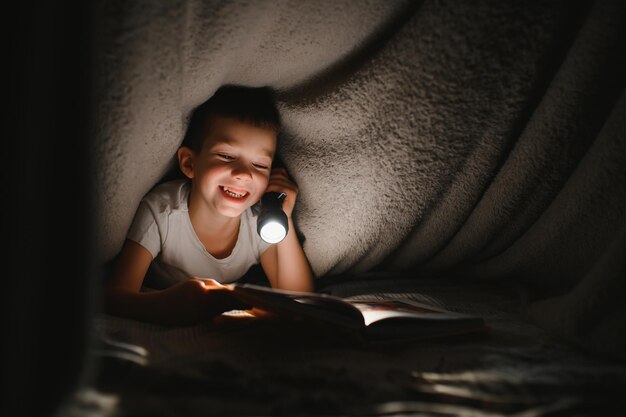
(476, 140)
(231, 368)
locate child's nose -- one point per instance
(242, 172)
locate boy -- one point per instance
(189, 236)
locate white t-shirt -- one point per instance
(162, 226)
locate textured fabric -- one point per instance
(162, 226)
(481, 139)
(243, 367)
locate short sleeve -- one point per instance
(259, 244)
(145, 229)
(262, 246)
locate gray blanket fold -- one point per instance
(481, 140)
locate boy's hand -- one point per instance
(282, 183)
(198, 300)
(220, 298)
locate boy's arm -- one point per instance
(285, 263)
(189, 302)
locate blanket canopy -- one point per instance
(470, 140)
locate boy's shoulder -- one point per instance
(172, 194)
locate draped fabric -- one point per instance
(482, 140)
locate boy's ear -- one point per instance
(185, 161)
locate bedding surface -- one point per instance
(238, 366)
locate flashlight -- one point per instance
(272, 224)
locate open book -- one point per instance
(370, 321)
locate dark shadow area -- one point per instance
(46, 209)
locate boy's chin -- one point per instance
(232, 212)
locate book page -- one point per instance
(374, 311)
(313, 305)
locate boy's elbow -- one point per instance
(300, 286)
(110, 297)
(113, 298)
(307, 286)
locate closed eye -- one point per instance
(226, 156)
(261, 166)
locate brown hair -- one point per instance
(254, 105)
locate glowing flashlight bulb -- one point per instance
(272, 224)
(273, 232)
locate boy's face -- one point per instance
(231, 171)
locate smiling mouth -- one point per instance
(233, 193)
